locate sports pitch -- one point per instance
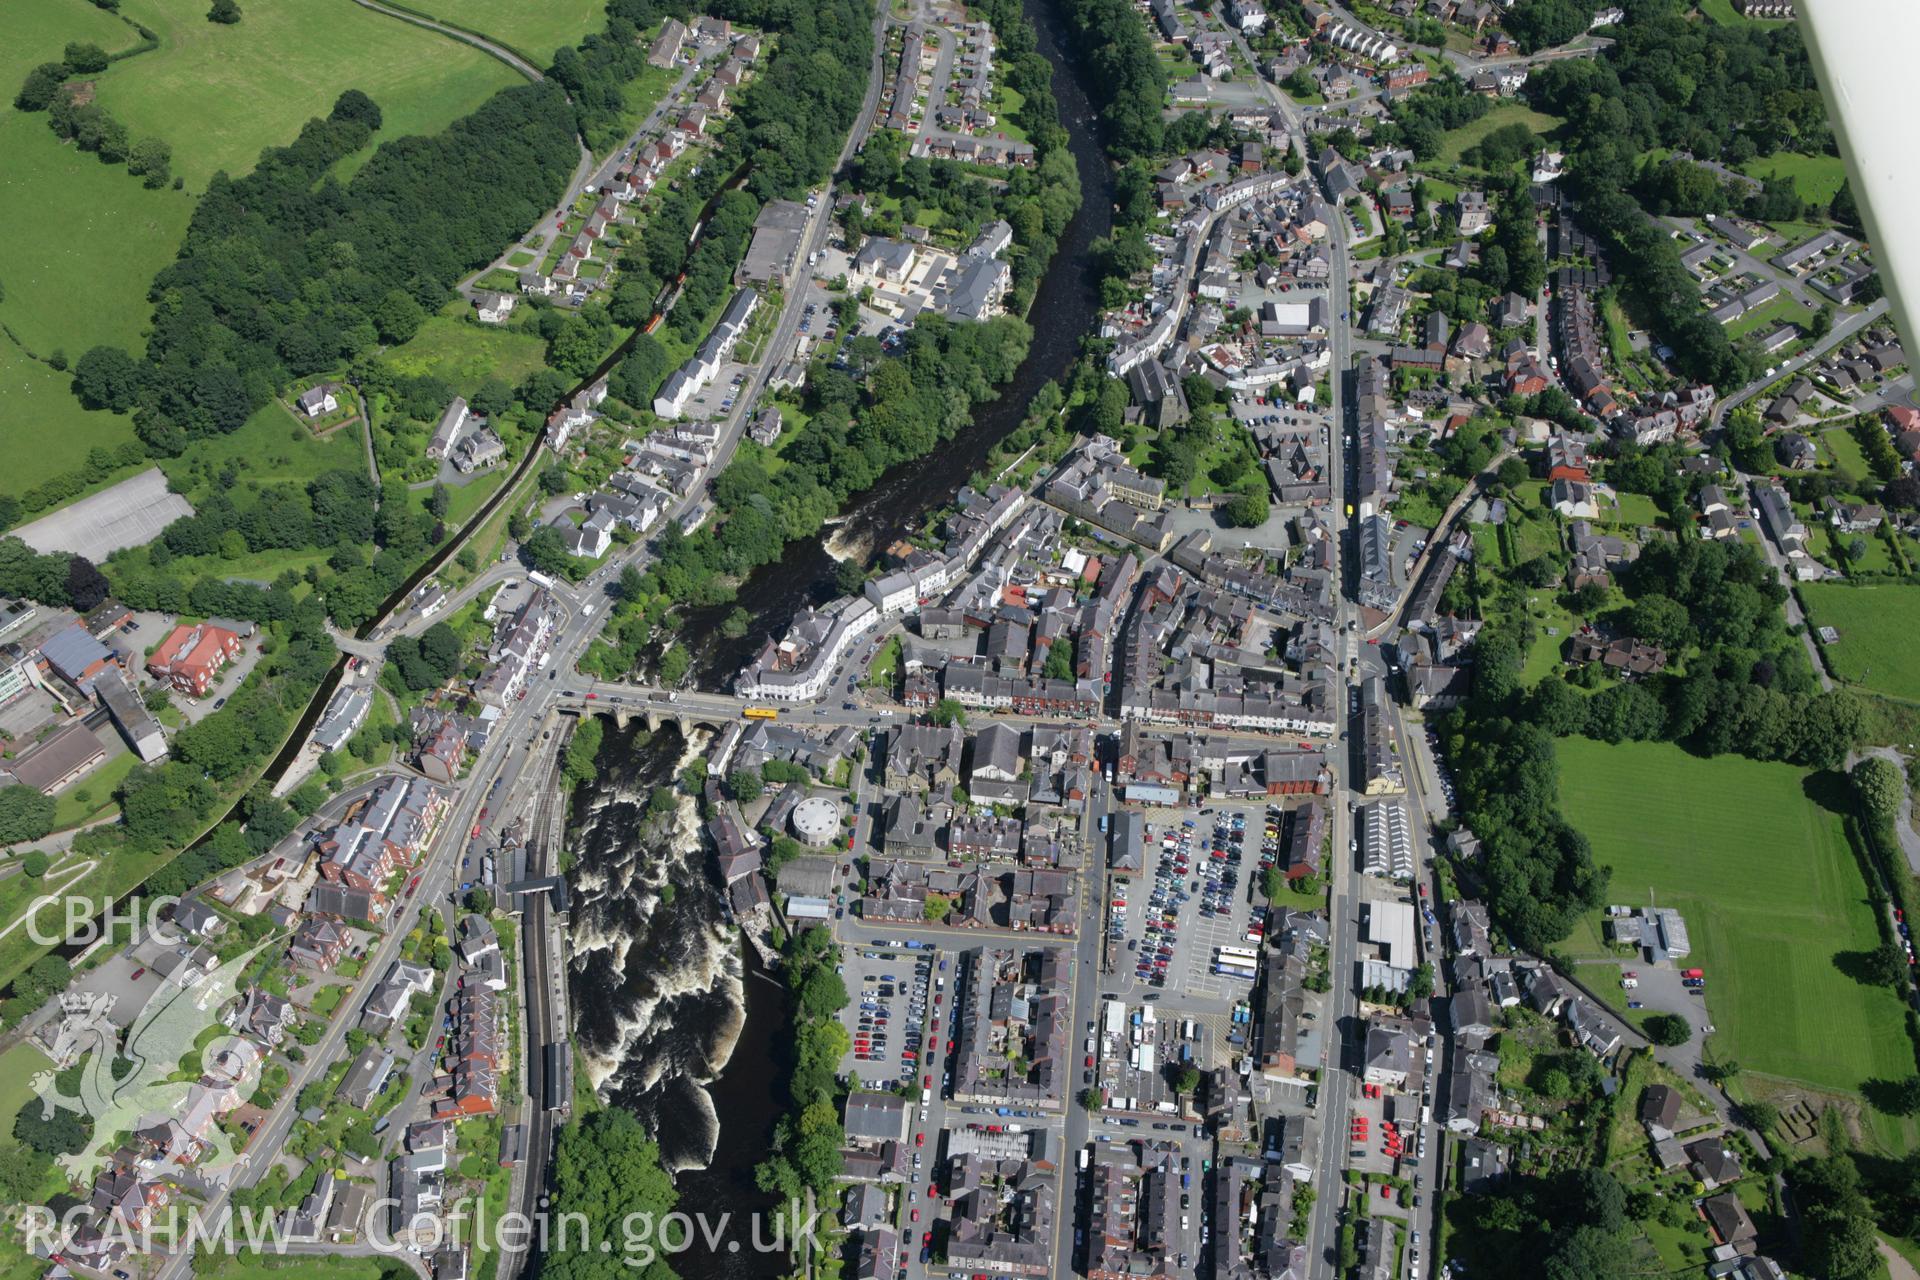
(1770, 891)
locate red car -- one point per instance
(139, 973)
(920, 1139)
(1089, 1059)
(926, 1082)
(915, 1216)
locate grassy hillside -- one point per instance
(38, 30)
(84, 241)
(43, 430)
(219, 94)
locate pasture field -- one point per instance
(1771, 894)
(1458, 140)
(532, 30)
(1877, 625)
(219, 94)
(84, 241)
(38, 31)
(43, 430)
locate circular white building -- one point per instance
(816, 820)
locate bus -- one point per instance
(761, 713)
(1227, 969)
(1238, 955)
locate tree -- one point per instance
(1090, 1100)
(582, 751)
(86, 585)
(34, 864)
(397, 317)
(84, 59)
(1885, 966)
(546, 550)
(745, 785)
(22, 1171)
(1903, 1096)
(849, 576)
(152, 159)
(106, 378)
(61, 1134)
(947, 711)
(1668, 1029)
(355, 107)
(1186, 1080)
(42, 83)
(607, 1169)
(225, 12)
(1881, 789)
(25, 814)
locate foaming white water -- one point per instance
(659, 1000)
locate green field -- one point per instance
(466, 354)
(1458, 140)
(38, 31)
(84, 240)
(36, 410)
(1816, 177)
(1877, 625)
(1770, 891)
(533, 30)
(219, 94)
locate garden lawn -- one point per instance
(466, 354)
(1817, 178)
(532, 30)
(1784, 308)
(219, 94)
(1846, 452)
(1456, 141)
(1877, 625)
(83, 242)
(1770, 891)
(43, 429)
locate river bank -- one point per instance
(1065, 306)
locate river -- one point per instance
(675, 1021)
(1063, 312)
